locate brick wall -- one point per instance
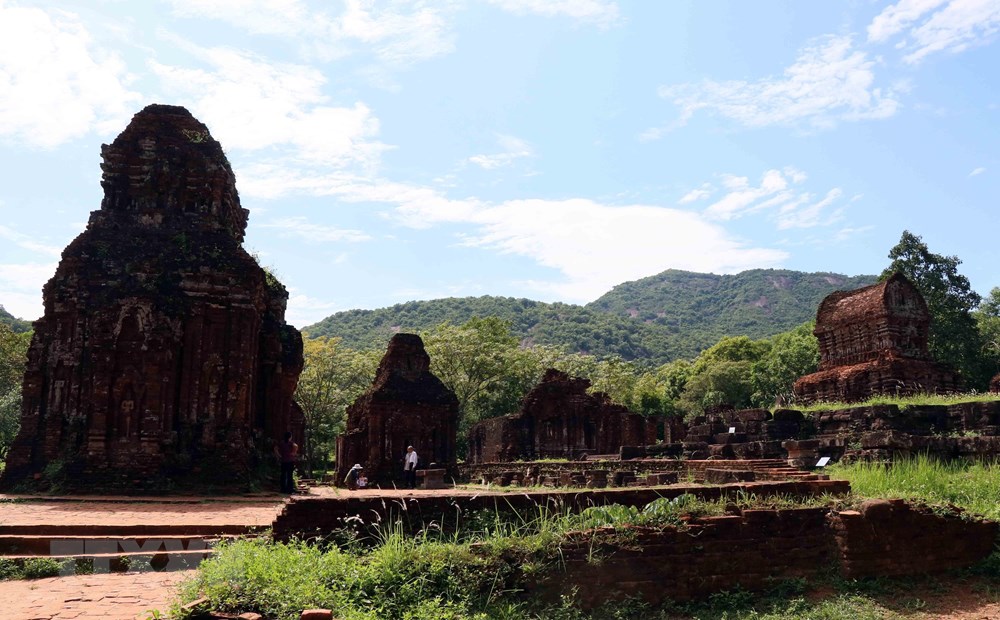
(759, 547)
(318, 516)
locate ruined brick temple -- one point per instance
(560, 419)
(163, 353)
(874, 341)
(406, 405)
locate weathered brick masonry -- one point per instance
(755, 549)
(305, 517)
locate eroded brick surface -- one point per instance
(405, 406)
(163, 353)
(873, 340)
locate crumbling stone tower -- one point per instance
(163, 353)
(873, 340)
(559, 418)
(405, 405)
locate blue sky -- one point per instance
(549, 149)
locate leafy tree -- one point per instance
(332, 379)
(13, 356)
(791, 355)
(484, 365)
(988, 320)
(722, 383)
(954, 337)
(731, 349)
(673, 378)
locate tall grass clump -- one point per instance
(973, 486)
(923, 398)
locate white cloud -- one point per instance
(303, 310)
(795, 215)
(513, 149)
(829, 82)
(977, 172)
(55, 84)
(314, 233)
(396, 34)
(599, 12)
(251, 105)
(592, 245)
(596, 246)
(695, 195)
(21, 287)
(958, 25)
(27, 242)
(897, 17)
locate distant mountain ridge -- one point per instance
(16, 325)
(672, 315)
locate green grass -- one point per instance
(481, 571)
(974, 486)
(30, 568)
(903, 401)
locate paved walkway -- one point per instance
(126, 513)
(86, 597)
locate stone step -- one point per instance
(123, 562)
(130, 531)
(56, 546)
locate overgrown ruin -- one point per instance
(406, 405)
(873, 340)
(560, 419)
(163, 356)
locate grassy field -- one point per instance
(478, 572)
(903, 401)
(974, 487)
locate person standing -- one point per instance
(410, 468)
(287, 452)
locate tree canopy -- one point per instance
(954, 335)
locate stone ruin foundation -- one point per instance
(406, 405)
(163, 356)
(873, 340)
(560, 419)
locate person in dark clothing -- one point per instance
(353, 476)
(287, 452)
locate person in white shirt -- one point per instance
(410, 468)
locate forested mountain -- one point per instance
(672, 315)
(16, 325)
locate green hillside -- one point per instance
(756, 303)
(672, 315)
(16, 325)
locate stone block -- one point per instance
(316, 614)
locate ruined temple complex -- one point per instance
(406, 405)
(873, 340)
(560, 419)
(163, 353)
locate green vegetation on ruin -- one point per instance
(480, 572)
(971, 486)
(913, 400)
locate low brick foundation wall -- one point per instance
(886, 538)
(307, 517)
(489, 471)
(760, 547)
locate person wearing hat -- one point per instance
(352, 476)
(410, 468)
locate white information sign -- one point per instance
(732, 429)
(823, 461)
